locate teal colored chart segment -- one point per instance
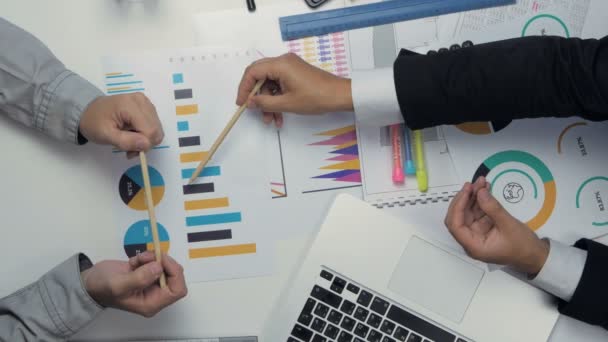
(578, 195)
(136, 176)
(520, 172)
(522, 157)
(546, 16)
(140, 232)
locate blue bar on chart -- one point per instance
(183, 126)
(209, 171)
(205, 220)
(189, 141)
(118, 75)
(181, 94)
(122, 83)
(178, 78)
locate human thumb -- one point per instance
(270, 103)
(492, 207)
(129, 141)
(141, 278)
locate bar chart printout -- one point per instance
(216, 225)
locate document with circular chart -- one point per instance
(217, 227)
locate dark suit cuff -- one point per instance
(589, 302)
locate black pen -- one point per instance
(251, 5)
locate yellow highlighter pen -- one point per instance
(421, 174)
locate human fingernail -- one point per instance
(140, 145)
(156, 268)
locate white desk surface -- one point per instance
(64, 205)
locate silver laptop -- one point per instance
(371, 277)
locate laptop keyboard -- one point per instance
(344, 311)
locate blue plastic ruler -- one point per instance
(379, 13)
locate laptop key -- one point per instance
(338, 285)
(301, 333)
(401, 333)
(348, 307)
(374, 336)
(348, 323)
(353, 288)
(291, 339)
(318, 325)
(387, 327)
(364, 298)
(326, 275)
(331, 331)
(321, 310)
(358, 340)
(319, 338)
(310, 304)
(429, 330)
(361, 314)
(326, 297)
(305, 318)
(361, 330)
(334, 317)
(379, 305)
(345, 337)
(388, 339)
(374, 320)
(414, 338)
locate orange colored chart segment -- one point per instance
(131, 188)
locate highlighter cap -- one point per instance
(398, 176)
(423, 182)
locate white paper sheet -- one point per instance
(550, 173)
(218, 228)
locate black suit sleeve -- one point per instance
(589, 302)
(511, 79)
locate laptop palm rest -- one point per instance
(435, 279)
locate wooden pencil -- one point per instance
(224, 133)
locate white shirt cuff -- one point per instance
(375, 97)
(562, 271)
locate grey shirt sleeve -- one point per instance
(53, 308)
(36, 89)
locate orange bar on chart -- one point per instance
(207, 203)
(192, 157)
(210, 252)
(186, 109)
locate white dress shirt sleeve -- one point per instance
(562, 271)
(375, 97)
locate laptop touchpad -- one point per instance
(435, 279)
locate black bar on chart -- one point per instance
(189, 141)
(198, 188)
(181, 94)
(225, 234)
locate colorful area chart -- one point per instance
(513, 192)
(138, 238)
(483, 128)
(131, 187)
(345, 165)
